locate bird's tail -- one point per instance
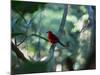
(62, 44)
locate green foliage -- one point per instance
(25, 7)
(34, 19)
(32, 67)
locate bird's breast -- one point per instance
(52, 39)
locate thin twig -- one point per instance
(31, 36)
(38, 36)
(26, 33)
(21, 15)
(22, 41)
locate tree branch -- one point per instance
(18, 52)
(30, 36)
(63, 21)
(51, 52)
(91, 63)
(22, 41)
(38, 36)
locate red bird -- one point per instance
(53, 38)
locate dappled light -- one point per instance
(69, 47)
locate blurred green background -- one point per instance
(30, 47)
